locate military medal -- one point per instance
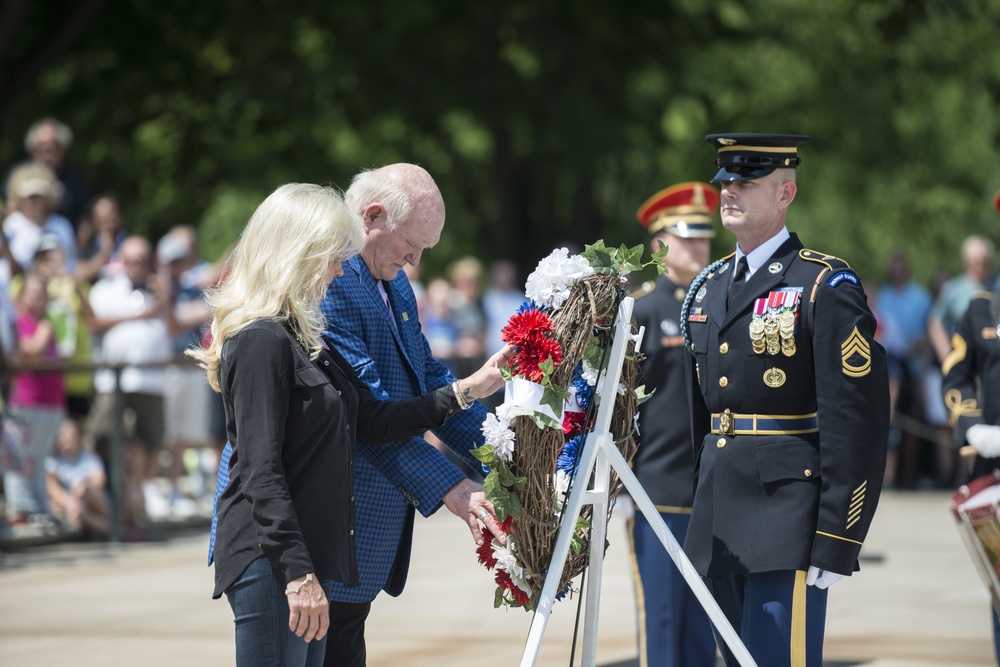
(757, 326)
(774, 377)
(772, 327)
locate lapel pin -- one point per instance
(776, 267)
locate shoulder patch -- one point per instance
(982, 294)
(841, 276)
(644, 289)
(833, 263)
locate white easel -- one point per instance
(599, 456)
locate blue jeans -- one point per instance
(260, 611)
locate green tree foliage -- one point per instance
(544, 122)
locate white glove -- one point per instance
(985, 439)
(821, 578)
(623, 508)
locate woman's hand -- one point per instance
(487, 379)
(308, 608)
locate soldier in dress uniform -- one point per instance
(974, 362)
(673, 628)
(790, 409)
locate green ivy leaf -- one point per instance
(553, 396)
(486, 455)
(543, 421)
(641, 395)
(630, 258)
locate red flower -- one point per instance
(507, 526)
(523, 326)
(573, 423)
(531, 355)
(504, 581)
(485, 554)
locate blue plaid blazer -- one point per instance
(390, 481)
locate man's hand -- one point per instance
(821, 578)
(467, 501)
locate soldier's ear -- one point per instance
(786, 193)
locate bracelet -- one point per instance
(460, 397)
(298, 588)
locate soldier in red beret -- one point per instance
(674, 630)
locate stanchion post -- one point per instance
(115, 461)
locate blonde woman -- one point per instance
(294, 410)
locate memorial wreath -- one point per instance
(534, 440)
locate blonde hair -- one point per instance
(278, 267)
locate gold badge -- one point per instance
(774, 377)
(854, 347)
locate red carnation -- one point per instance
(573, 423)
(507, 526)
(530, 356)
(523, 326)
(485, 554)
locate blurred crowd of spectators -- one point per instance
(915, 326)
(77, 286)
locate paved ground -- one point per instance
(917, 602)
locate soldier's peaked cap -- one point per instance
(744, 157)
(684, 210)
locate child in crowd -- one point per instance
(37, 400)
(75, 480)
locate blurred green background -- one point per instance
(544, 122)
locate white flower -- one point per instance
(507, 561)
(588, 373)
(549, 284)
(497, 433)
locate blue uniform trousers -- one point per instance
(674, 630)
(780, 619)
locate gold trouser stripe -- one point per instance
(797, 649)
(640, 596)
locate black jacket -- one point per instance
(294, 424)
(785, 501)
(663, 463)
(972, 374)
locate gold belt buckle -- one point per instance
(726, 423)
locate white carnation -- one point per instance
(497, 434)
(549, 284)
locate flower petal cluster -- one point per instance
(498, 434)
(550, 283)
(529, 358)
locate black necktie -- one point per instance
(738, 279)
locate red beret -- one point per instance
(684, 210)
